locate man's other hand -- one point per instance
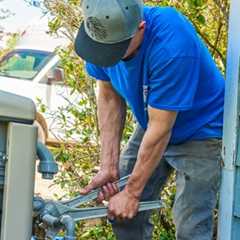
(105, 180)
(123, 205)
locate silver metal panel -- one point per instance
(226, 209)
(231, 124)
(19, 182)
(236, 210)
(16, 107)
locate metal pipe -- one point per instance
(3, 134)
(38, 204)
(3, 158)
(229, 211)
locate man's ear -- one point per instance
(141, 25)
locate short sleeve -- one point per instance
(173, 83)
(96, 72)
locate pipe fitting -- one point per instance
(69, 226)
(47, 166)
(50, 220)
(38, 204)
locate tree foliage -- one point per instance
(79, 163)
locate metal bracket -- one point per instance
(3, 157)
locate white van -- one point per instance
(33, 70)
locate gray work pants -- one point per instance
(197, 165)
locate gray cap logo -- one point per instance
(111, 21)
(96, 29)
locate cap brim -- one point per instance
(101, 54)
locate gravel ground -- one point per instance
(46, 188)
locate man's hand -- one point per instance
(123, 205)
(104, 179)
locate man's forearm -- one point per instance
(151, 151)
(111, 116)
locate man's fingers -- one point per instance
(115, 187)
(109, 191)
(88, 188)
(111, 211)
(131, 215)
(112, 188)
(106, 192)
(101, 179)
(100, 197)
(84, 191)
(115, 215)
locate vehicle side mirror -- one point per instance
(56, 77)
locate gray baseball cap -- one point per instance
(107, 29)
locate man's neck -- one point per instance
(135, 51)
(132, 55)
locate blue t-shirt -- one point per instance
(173, 70)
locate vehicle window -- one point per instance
(54, 75)
(59, 75)
(23, 64)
